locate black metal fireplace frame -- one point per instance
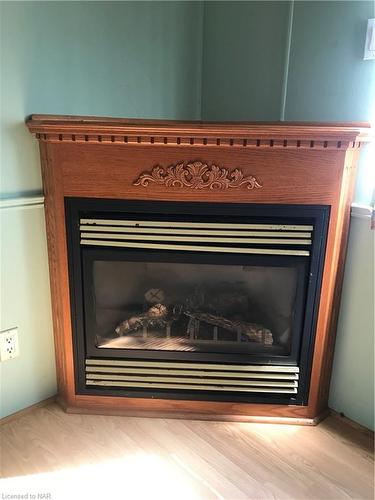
(78, 207)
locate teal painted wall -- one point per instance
(352, 387)
(134, 59)
(328, 78)
(243, 60)
(25, 303)
(186, 60)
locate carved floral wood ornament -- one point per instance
(197, 175)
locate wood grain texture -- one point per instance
(294, 163)
(157, 458)
(202, 410)
(308, 135)
(347, 191)
(58, 266)
(105, 171)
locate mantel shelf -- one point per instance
(308, 135)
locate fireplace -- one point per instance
(196, 267)
(204, 300)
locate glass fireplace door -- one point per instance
(204, 307)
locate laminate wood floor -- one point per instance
(48, 454)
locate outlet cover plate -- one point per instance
(9, 347)
(370, 41)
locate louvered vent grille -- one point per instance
(192, 376)
(272, 239)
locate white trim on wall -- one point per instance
(361, 211)
(22, 202)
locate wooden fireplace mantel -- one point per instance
(286, 163)
(195, 133)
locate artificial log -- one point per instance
(247, 331)
(154, 317)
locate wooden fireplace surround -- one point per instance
(286, 163)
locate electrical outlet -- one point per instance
(370, 40)
(9, 347)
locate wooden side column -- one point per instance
(58, 266)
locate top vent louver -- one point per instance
(272, 239)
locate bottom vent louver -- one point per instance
(192, 376)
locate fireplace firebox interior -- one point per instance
(193, 307)
(195, 300)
